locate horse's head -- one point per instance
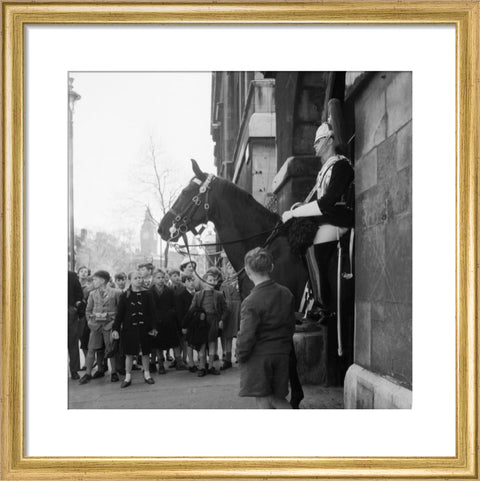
(190, 209)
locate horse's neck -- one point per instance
(239, 222)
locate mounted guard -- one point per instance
(329, 259)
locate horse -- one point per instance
(241, 223)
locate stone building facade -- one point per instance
(263, 124)
(381, 376)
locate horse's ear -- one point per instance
(197, 171)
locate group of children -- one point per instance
(154, 314)
(150, 313)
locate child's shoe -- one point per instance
(226, 365)
(152, 367)
(193, 368)
(114, 377)
(85, 378)
(202, 372)
(213, 371)
(125, 384)
(180, 366)
(161, 369)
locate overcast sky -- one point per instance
(117, 118)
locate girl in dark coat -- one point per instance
(134, 326)
(166, 324)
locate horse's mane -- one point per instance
(242, 197)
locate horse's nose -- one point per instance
(161, 230)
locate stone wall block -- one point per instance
(398, 256)
(391, 346)
(399, 101)
(294, 190)
(285, 94)
(378, 311)
(303, 137)
(370, 264)
(370, 117)
(404, 146)
(362, 333)
(371, 208)
(366, 172)
(386, 161)
(315, 79)
(401, 316)
(400, 193)
(382, 400)
(263, 162)
(307, 110)
(264, 96)
(365, 395)
(294, 180)
(381, 346)
(262, 125)
(387, 392)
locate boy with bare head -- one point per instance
(267, 325)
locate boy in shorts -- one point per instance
(264, 341)
(101, 311)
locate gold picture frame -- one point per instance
(464, 15)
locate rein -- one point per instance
(214, 244)
(270, 238)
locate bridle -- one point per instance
(181, 220)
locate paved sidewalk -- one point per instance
(183, 390)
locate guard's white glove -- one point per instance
(287, 215)
(115, 335)
(304, 210)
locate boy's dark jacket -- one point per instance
(267, 321)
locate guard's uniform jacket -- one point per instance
(334, 180)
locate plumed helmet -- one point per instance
(325, 130)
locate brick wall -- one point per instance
(383, 177)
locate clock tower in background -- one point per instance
(148, 236)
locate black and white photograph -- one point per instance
(239, 240)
